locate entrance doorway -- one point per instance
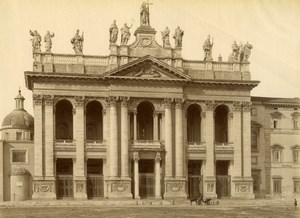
(64, 178)
(223, 179)
(146, 178)
(95, 183)
(195, 181)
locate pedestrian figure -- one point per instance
(295, 203)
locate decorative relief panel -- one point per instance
(241, 187)
(210, 187)
(80, 186)
(119, 187)
(43, 187)
(174, 186)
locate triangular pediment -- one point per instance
(148, 68)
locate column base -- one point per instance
(175, 188)
(242, 188)
(44, 189)
(119, 188)
(209, 187)
(80, 192)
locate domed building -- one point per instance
(17, 152)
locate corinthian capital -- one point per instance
(124, 101)
(167, 102)
(111, 100)
(210, 105)
(237, 106)
(79, 101)
(178, 102)
(48, 99)
(37, 99)
(247, 106)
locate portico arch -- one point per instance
(194, 123)
(64, 120)
(94, 121)
(145, 121)
(221, 124)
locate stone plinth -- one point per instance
(44, 189)
(175, 188)
(119, 188)
(80, 188)
(242, 188)
(209, 187)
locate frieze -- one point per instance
(37, 99)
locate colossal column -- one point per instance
(168, 138)
(209, 179)
(178, 139)
(80, 180)
(124, 137)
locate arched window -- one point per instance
(194, 124)
(94, 121)
(221, 124)
(64, 120)
(145, 121)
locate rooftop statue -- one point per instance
(77, 42)
(165, 38)
(241, 52)
(113, 33)
(207, 48)
(36, 41)
(247, 51)
(125, 34)
(145, 15)
(178, 37)
(234, 56)
(48, 40)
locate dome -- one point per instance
(18, 118)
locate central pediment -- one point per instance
(147, 67)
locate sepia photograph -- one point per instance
(149, 108)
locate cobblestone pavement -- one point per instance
(148, 208)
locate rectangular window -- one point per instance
(275, 124)
(295, 122)
(19, 156)
(254, 140)
(276, 156)
(297, 186)
(296, 156)
(19, 136)
(277, 185)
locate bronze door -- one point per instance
(64, 186)
(147, 185)
(95, 186)
(195, 188)
(223, 186)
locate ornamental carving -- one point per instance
(210, 187)
(48, 99)
(147, 73)
(111, 101)
(210, 105)
(146, 42)
(79, 101)
(167, 102)
(178, 102)
(119, 187)
(242, 188)
(80, 186)
(174, 187)
(37, 99)
(247, 106)
(43, 187)
(124, 101)
(237, 106)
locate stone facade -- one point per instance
(143, 122)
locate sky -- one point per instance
(272, 27)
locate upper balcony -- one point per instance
(147, 145)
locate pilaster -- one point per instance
(80, 179)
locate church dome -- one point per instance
(18, 118)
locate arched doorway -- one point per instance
(94, 121)
(221, 124)
(194, 124)
(145, 121)
(64, 120)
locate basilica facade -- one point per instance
(141, 122)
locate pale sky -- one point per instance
(272, 27)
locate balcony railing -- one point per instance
(146, 144)
(94, 142)
(64, 144)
